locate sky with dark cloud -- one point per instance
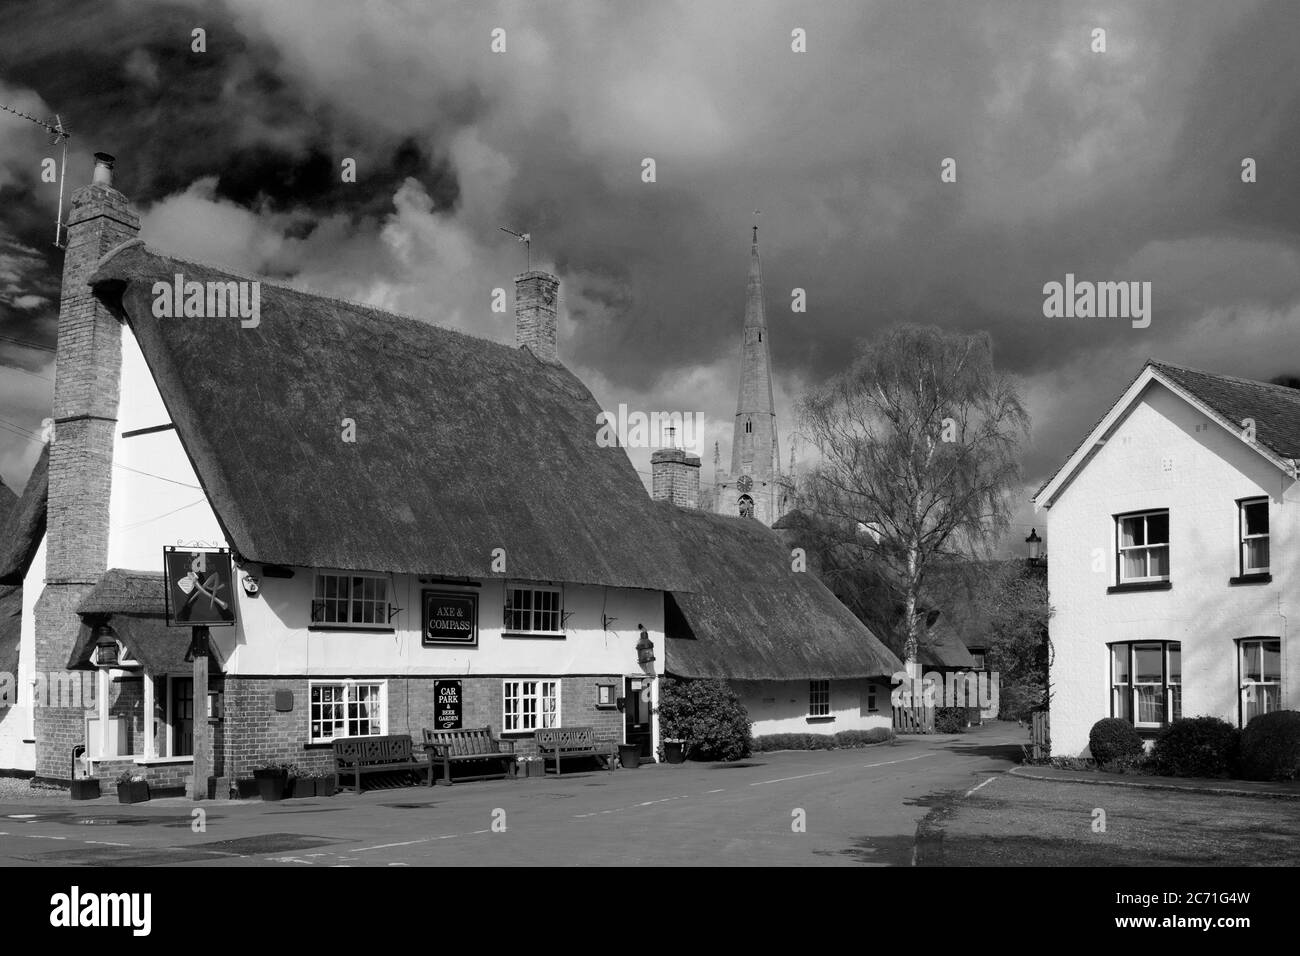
(1122, 165)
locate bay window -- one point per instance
(1259, 663)
(1146, 682)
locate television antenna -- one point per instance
(526, 238)
(59, 136)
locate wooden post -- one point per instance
(202, 744)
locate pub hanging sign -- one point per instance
(199, 586)
(450, 617)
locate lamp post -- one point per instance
(1035, 545)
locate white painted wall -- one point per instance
(1209, 469)
(273, 637)
(781, 707)
(156, 499)
(17, 723)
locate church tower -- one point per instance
(753, 487)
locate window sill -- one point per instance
(159, 761)
(820, 719)
(1139, 586)
(1263, 577)
(351, 629)
(553, 635)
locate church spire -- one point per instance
(754, 446)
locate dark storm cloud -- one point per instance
(1115, 165)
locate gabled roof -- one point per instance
(462, 446)
(120, 591)
(23, 528)
(750, 617)
(1225, 399)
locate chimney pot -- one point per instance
(104, 169)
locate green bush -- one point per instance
(1270, 747)
(844, 740)
(1196, 747)
(708, 715)
(950, 720)
(1112, 738)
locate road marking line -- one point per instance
(21, 816)
(39, 836)
(885, 763)
(707, 792)
(102, 843)
(984, 784)
(385, 846)
(784, 779)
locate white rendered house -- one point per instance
(1174, 531)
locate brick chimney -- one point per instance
(536, 308)
(675, 477)
(87, 374)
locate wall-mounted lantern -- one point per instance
(1035, 544)
(105, 646)
(251, 585)
(645, 649)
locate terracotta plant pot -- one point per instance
(629, 756)
(674, 751)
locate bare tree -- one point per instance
(919, 442)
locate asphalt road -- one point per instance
(850, 807)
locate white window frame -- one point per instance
(1128, 689)
(350, 686)
(819, 698)
(532, 611)
(1248, 686)
(1121, 550)
(517, 721)
(380, 605)
(1243, 537)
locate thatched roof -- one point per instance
(750, 617)
(11, 622)
(7, 501)
(23, 528)
(133, 604)
(462, 445)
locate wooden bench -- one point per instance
(354, 756)
(471, 745)
(554, 743)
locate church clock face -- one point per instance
(744, 484)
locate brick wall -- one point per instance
(87, 370)
(255, 733)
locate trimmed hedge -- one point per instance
(844, 740)
(1270, 747)
(1196, 747)
(1112, 738)
(950, 720)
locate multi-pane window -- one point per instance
(529, 705)
(182, 719)
(533, 610)
(1260, 663)
(819, 698)
(1147, 682)
(350, 599)
(1143, 547)
(1254, 535)
(871, 698)
(346, 709)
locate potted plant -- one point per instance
(629, 756)
(132, 788)
(326, 783)
(302, 782)
(675, 750)
(272, 780)
(532, 765)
